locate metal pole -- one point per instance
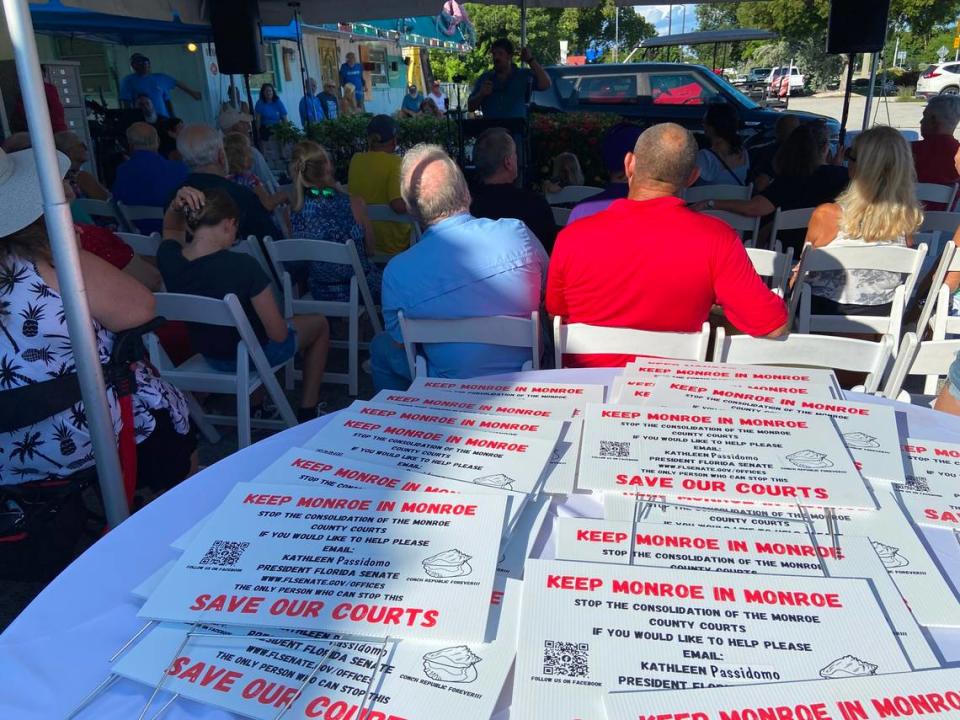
(670, 20)
(66, 259)
(873, 80)
(297, 18)
(683, 19)
(616, 23)
(523, 23)
(896, 51)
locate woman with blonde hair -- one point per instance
(322, 211)
(236, 147)
(566, 171)
(879, 208)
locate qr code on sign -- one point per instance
(612, 448)
(224, 553)
(566, 658)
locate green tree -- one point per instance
(596, 27)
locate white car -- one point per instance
(942, 79)
(797, 81)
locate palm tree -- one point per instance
(9, 377)
(26, 448)
(5, 312)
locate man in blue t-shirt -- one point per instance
(311, 109)
(155, 86)
(504, 91)
(410, 107)
(329, 100)
(352, 72)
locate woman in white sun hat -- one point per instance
(35, 347)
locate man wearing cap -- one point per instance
(375, 176)
(329, 101)
(437, 96)
(352, 72)
(617, 144)
(311, 109)
(156, 86)
(504, 91)
(147, 178)
(231, 120)
(410, 107)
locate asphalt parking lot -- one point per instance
(885, 111)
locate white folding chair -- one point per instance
(943, 322)
(101, 209)
(385, 213)
(812, 351)
(949, 262)
(889, 258)
(143, 245)
(718, 192)
(931, 358)
(941, 222)
(741, 223)
(798, 219)
(572, 194)
(195, 375)
(504, 330)
(773, 265)
(931, 192)
(580, 339)
(561, 216)
(132, 213)
(284, 251)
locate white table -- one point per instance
(56, 651)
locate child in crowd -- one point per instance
(240, 170)
(348, 104)
(566, 171)
(322, 211)
(207, 267)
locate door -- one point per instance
(329, 61)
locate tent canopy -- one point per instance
(56, 19)
(317, 12)
(706, 38)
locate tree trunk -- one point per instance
(847, 59)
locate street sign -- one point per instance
(942, 52)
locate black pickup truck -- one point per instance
(650, 93)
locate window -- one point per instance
(269, 74)
(94, 69)
(603, 89)
(377, 58)
(679, 88)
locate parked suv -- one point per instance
(658, 92)
(941, 79)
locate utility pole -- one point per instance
(616, 43)
(670, 20)
(683, 19)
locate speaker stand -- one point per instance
(846, 105)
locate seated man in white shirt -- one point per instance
(437, 96)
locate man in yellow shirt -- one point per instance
(375, 176)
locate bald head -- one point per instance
(141, 136)
(665, 156)
(432, 185)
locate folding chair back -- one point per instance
(580, 339)
(143, 245)
(385, 213)
(798, 219)
(943, 322)
(940, 221)
(741, 223)
(773, 265)
(102, 209)
(295, 250)
(890, 258)
(949, 262)
(813, 351)
(931, 192)
(561, 216)
(502, 330)
(572, 194)
(196, 375)
(132, 213)
(931, 358)
(718, 192)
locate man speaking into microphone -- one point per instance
(504, 91)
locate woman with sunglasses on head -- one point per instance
(877, 209)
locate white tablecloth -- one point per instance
(57, 650)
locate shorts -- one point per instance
(277, 353)
(163, 457)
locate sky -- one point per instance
(658, 16)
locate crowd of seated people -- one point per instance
(490, 249)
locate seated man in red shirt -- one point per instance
(650, 263)
(933, 156)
